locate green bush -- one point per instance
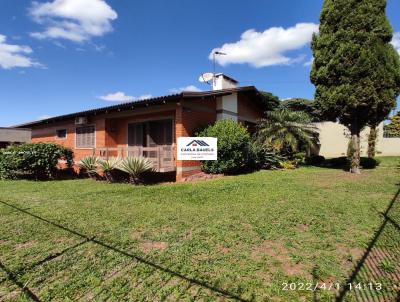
(369, 163)
(337, 162)
(289, 164)
(299, 158)
(263, 158)
(233, 147)
(37, 160)
(344, 163)
(315, 160)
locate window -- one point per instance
(85, 137)
(61, 133)
(150, 134)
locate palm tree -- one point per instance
(135, 167)
(283, 129)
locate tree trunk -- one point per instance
(372, 142)
(355, 154)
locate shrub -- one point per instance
(289, 164)
(344, 162)
(36, 160)
(315, 160)
(233, 147)
(135, 167)
(369, 163)
(337, 162)
(263, 158)
(299, 158)
(108, 167)
(90, 165)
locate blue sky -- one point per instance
(62, 56)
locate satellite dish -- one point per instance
(206, 77)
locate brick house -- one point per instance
(150, 127)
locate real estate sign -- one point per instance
(197, 148)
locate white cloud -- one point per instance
(12, 56)
(191, 88)
(99, 48)
(267, 48)
(58, 44)
(396, 41)
(122, 97)
(75, 20)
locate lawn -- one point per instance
(235, 238)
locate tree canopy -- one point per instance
(393, 129)
(271, 102)
(298, 104)
(356, 70)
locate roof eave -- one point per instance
(142, 103)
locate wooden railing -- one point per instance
(162, 156)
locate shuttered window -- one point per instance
(85, 137)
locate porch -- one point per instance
(151, 137)
(161, 156)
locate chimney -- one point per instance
(222, 81)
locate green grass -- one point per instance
(232, 238)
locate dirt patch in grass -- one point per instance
(148, 246)
(277, 252)
(25, 245)
(329, 179)
(293, 269)
(349, 255)
(188, 235)
(302, 227)
(11, 296)
(224, 250)
(136, 235)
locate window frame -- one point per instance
(61, 138)
(95, 137)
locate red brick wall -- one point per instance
(47, 134)
(188, 120)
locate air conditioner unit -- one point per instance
(81, 120)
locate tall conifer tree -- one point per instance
(356, 70)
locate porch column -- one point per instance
(183, 126)
(179, 132)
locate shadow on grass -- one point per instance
(376, 274)
(155, 266)
(12, 277)
(342, 163)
